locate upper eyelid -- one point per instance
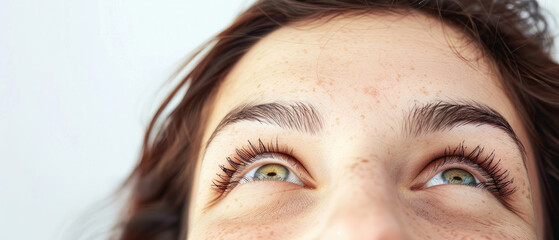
(289, 162)
(499, 181)
(471, 165)
(244, 156)
(463, 160)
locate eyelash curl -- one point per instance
(499, 183)
(243, 157)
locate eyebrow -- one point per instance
(437, 116)
(298, 116)
(420, 119)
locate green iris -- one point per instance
(271, 172)
(459, 176)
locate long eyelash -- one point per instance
(499, 181)
(244, 157)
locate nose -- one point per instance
(345, 230)
(363, 212)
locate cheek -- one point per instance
(478, 218)
(290, 219)
(277, 211)
(419, 228)
(235, 230)
(305, 227)
(250, 227)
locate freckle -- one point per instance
(305, 50)
(518, 169)
(362, 116)
(354, 166)
(331, 83)
(338, 121)
(364, 160)
(372, 91)
(425, 75)
(314, 89)
(424, 91)
(412, 68)
(258, 86)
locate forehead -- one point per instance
(367, 67)
(394, 55)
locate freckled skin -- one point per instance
(364, 175)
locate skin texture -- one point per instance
(362, 171)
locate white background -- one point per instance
(79, 81)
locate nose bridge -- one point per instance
(363, 204)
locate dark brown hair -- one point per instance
(513, 33)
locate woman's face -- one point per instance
(368, 127)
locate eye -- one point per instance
(455, 176)
(271, 172)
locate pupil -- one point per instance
(271, 174)
(457, 178)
